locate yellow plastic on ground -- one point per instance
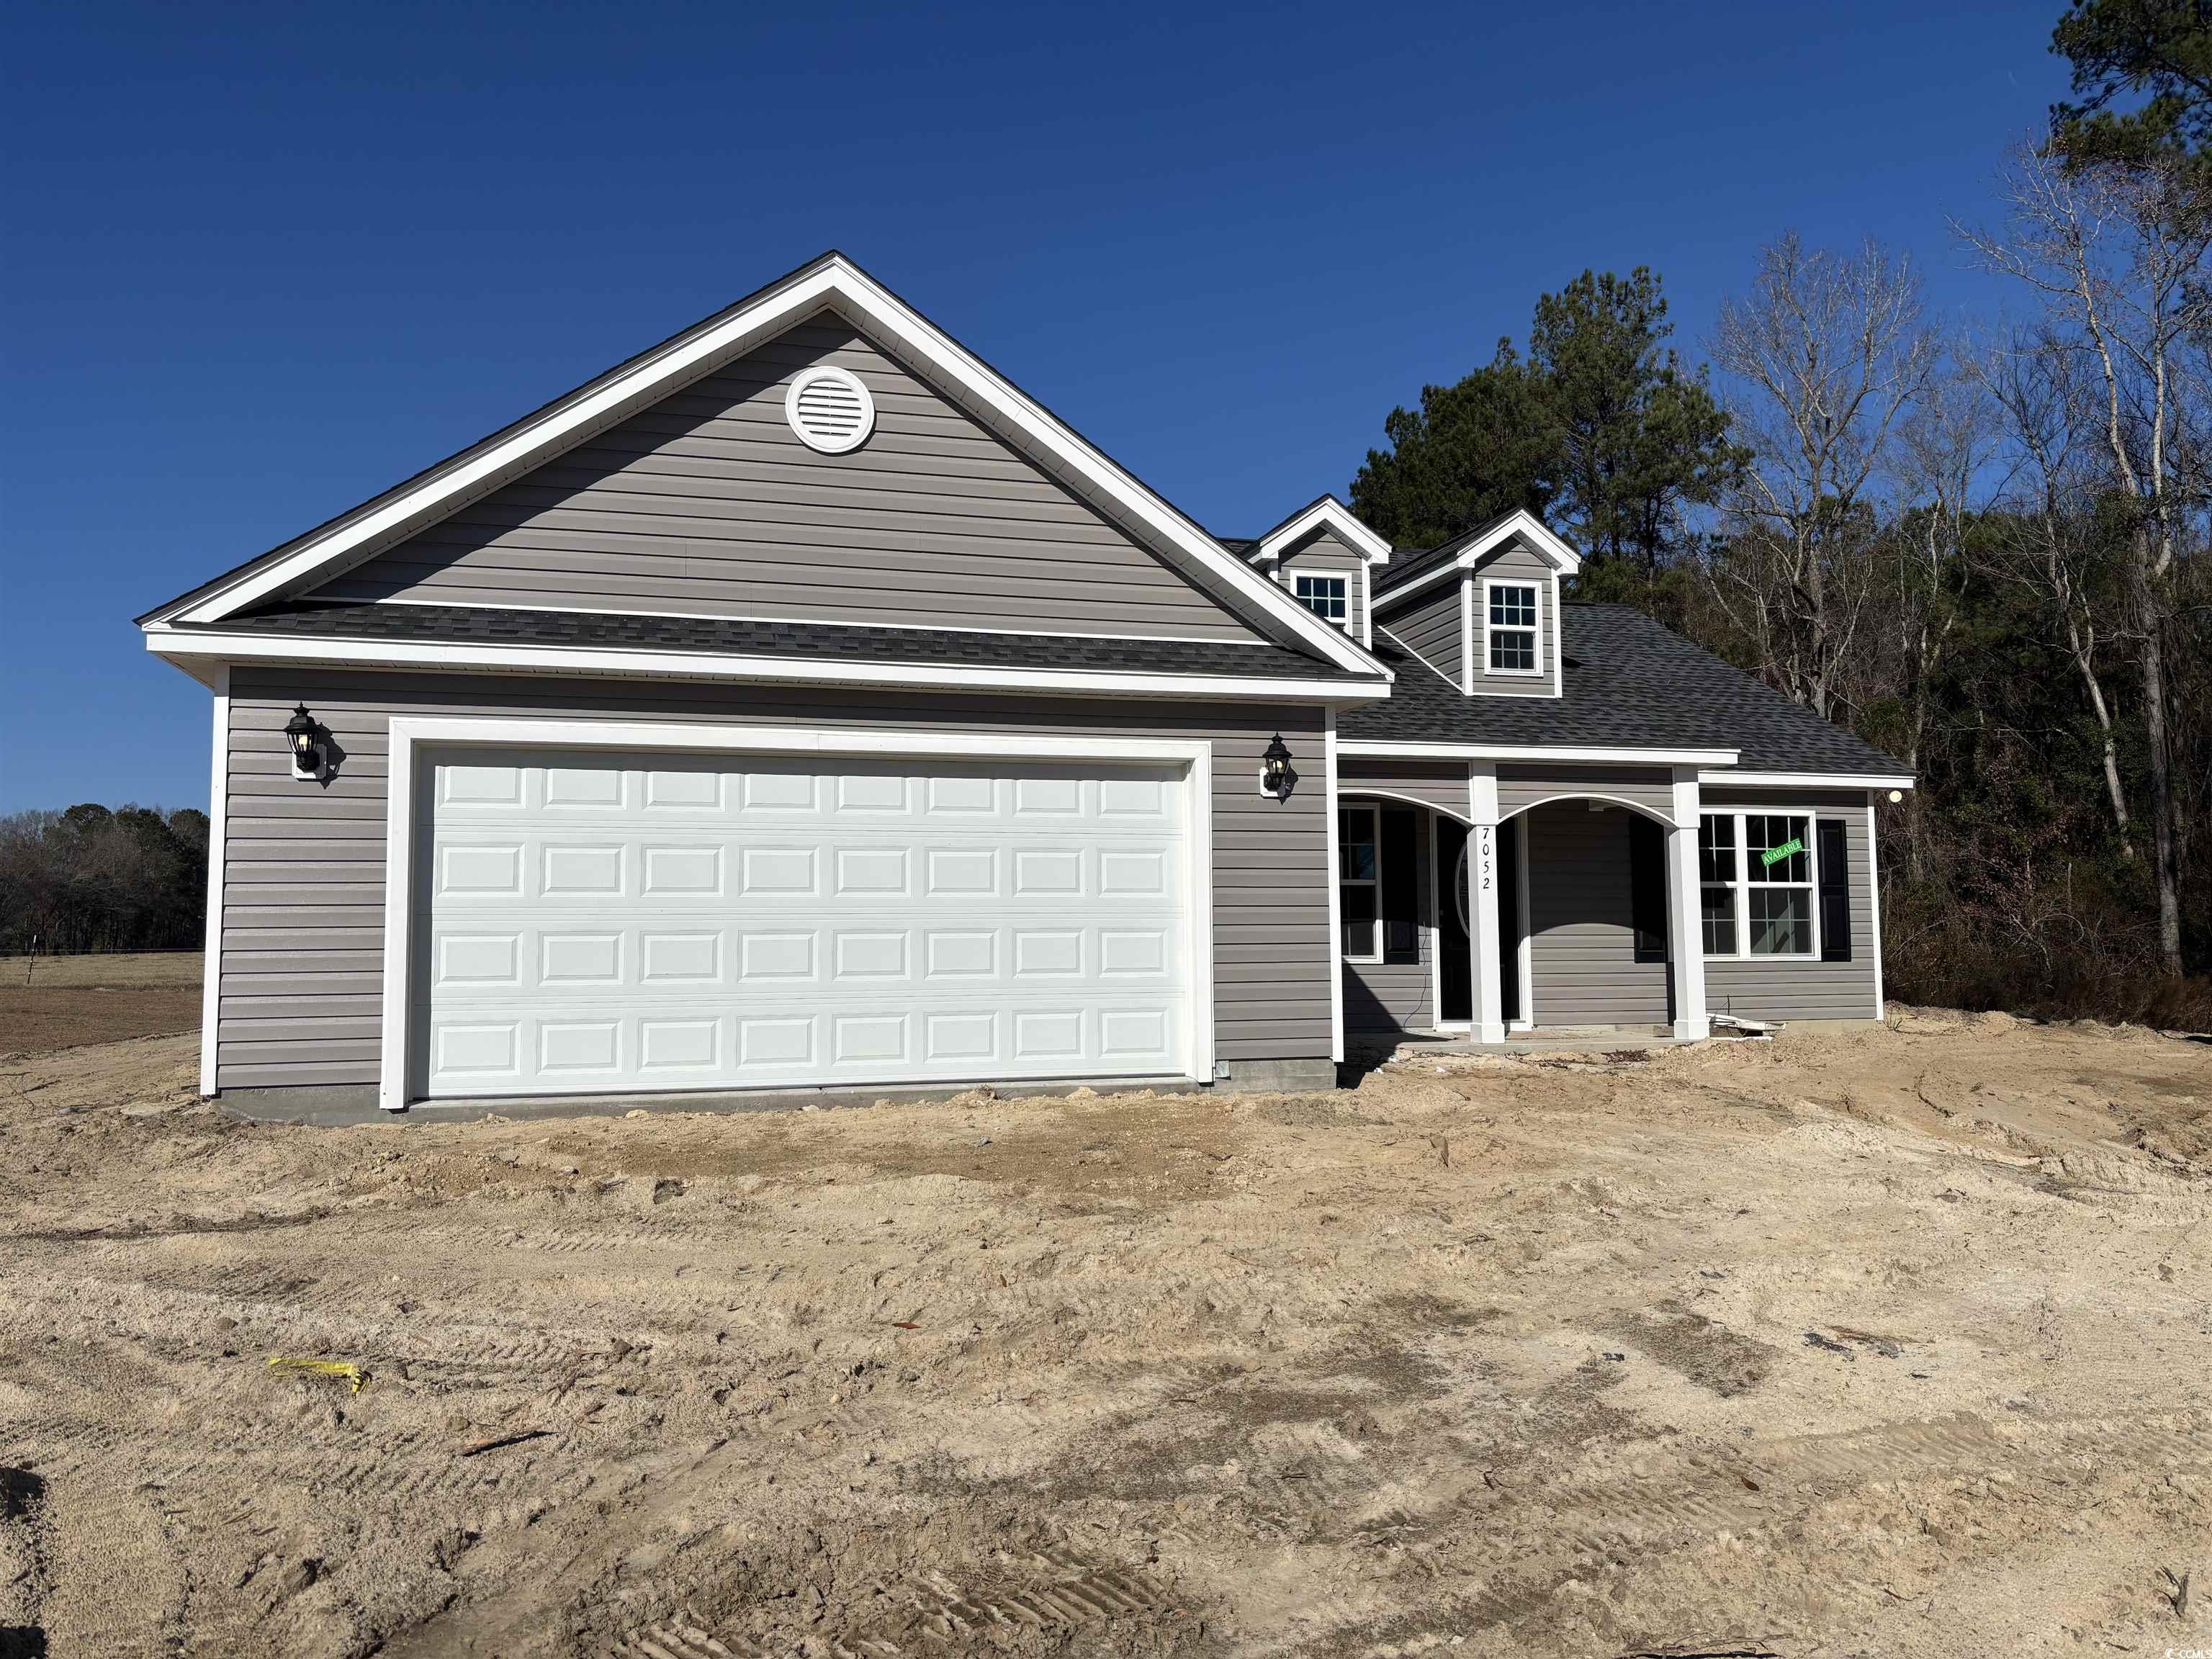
(345, 1368)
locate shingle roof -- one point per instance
(1414, 562)
(1228, 658)
(1627, 682)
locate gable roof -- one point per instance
(1627, 682)
(1464, 552)
(1324, 510)
(829, 282)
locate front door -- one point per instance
(1454, 982)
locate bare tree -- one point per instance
(2047, 543)
(1944, 443)
(1818, 365)
(2117, 256)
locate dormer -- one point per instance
(1327, 559)
(1483, 610)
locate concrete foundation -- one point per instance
(357, 1104)
(1277, 1077)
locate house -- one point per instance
(800, 705)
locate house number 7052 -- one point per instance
(1485, 857)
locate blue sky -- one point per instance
(263, 262)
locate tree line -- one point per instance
(1984, 548)
(90, 879)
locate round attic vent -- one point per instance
(829, 409)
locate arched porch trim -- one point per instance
(1354, 791)
(1659, 818)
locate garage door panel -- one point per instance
(595, 922)
(605, 951)
(798, 1044)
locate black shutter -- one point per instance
(1647, 875)
(1402, 908)
(1835, 874)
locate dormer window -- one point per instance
(1512, 636)
(1323, 595)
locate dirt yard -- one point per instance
(1895, 1343)
(59, 1002)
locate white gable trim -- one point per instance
(838, 282)
(1540, 536)
(1330, 512)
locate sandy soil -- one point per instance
(58, 1002)
(1891, 1343)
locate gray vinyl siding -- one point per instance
(1388, 996)
(1801, 987)
(707, 503)
(1323, 553)
(1516, 564)
(303, 899)
(1651, 787)
(1584, 951)
(1433, 630)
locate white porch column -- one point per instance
(1482, 901)
(1687, 932)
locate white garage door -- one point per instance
(594, 921)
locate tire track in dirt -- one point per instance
(1061, 1593)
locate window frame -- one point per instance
(1739, 887)
(1534, 587)
(1372, 811)
(1732, 887)
(1343, 581)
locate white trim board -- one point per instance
(833, 281)
(1334, 941)
(1805, 780)
(1566, 755)
(1420, 659)
(1467, 670)
(218, 858)
(179, 645)
(1874, 904)
(412, 733)
(1558, 640)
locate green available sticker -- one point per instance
(1774, 855)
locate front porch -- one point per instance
(1523, 907)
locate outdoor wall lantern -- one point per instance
(306, 749)
(1275, 774)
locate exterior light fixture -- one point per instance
(307, 751)
(1895, 796)
(1275, 774)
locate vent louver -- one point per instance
(829, 409)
